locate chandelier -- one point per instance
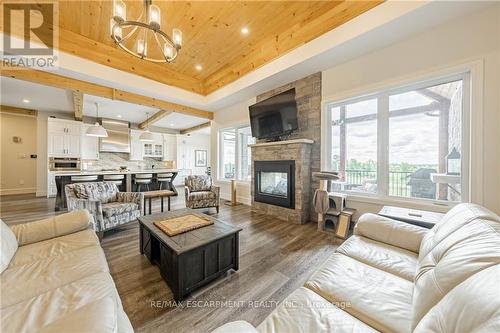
(146, 28)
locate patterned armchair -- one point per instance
(109, 207)
(201, 193)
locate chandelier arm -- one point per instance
(159, 46)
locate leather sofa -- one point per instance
(395, 277)
(55, 278)
(109, 207)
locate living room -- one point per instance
(333, 168)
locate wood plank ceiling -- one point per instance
(212, 35)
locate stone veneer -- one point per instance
(308, 97)
(301, 153)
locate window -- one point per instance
(404, 142)
(234, 153)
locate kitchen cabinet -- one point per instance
(155, 148)
(51, 185)
(169, 147)
(90, 144)
(136, 146)
(63, 139)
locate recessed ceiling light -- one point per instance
(198, 67)
(172, 124)
(244, 30)
(119, 115)
(26, 100)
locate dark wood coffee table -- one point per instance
(192, 259)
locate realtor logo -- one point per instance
(29, 34)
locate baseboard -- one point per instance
(11, 191)
(41, 193)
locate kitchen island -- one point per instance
(62, 178)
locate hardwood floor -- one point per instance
(275, 258)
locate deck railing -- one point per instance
(398, 180)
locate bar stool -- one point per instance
(143, 179)
(115, 179)
(165, 178)
(83, 179)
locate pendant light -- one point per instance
(147, 136)
(96, 129)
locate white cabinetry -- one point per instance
(63, 138)
(136, 146)
(169, 147)
(51, 185)
(155, 148)
(90, 144)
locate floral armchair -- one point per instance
(109, 207)
(201, 193)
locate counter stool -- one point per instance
(143, 179)
(115, 179)
(165, 178)
(84, 179)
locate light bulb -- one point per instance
(168, 51)
(142, 47)
(154, 16)
(177, 37)
(119, 10)
(115, 30)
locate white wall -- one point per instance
(186, 146)
(468, 39)
(234, 115)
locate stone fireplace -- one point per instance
(303, 147)
(281, 182)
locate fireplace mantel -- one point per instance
(285, 142)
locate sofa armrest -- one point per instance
(216, 190)
(52, 227)
(186, 192)
(239, 326)
(389, 231)
(134, 197)
(93, 206)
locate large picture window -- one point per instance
(405, 142)
(234, 153)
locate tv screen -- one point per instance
(274, 116)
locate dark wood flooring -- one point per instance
(276, 257)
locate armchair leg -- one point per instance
(217, 208)
(100, 235)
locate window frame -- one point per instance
(237, 153)
(382, 95)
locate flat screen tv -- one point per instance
(275, 116)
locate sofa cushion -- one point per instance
(52, 308)
(54, 247)
(305, 311)
(378, 298)
(8, 245)
(203, 195)
(395, 260)
(26, 281)
(199, 183)
(464, 243)
(472, 306)
(101, 191)
(117, 208)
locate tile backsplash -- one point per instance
(115, 160)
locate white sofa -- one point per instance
(55, 278)
(395, 277)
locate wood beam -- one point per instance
(275, 46)
(13, 109)
(195, 128)
(78, 104)
(154, 118)
(89, 88)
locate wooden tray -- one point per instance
(181, 224)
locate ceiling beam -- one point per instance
(273, 47)
(195, 128)
(154, 118)
(13, 109)
(89, 88)
(78, 104)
